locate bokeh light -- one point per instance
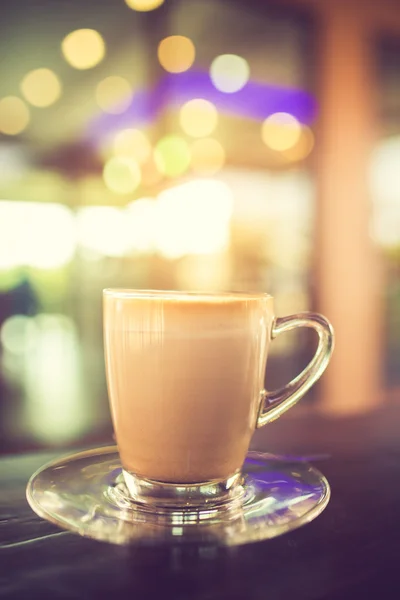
(207, 156)
(198, 117)
(229, 73)
(50, 247)
(176, 53)
(83, 48)
(172, 156)
(385, 172)
(141, 221)
(303, 146)
(385, 191)
(193, 218)
(102, 229)
(11, 235)
(54, 371)
(41, 87)
(18, 334)
(134, 143)
(144, 5)
(122, 174)
(281, 131)
(40, 235)
(113, 94)
(14, 115)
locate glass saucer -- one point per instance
(84, 493)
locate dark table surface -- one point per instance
(351, 551)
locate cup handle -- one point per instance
(274, 404)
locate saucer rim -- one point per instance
(297, 523)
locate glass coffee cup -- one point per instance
(185, 374)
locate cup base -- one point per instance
(155, 495)
(88, 493)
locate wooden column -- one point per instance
(348, 280)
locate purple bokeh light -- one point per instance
(254, 101)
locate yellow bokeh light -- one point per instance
(83, 48)
(122, 175)
(229, 73)
(144, 5)
(134, 143)
(14, 115)
(281, 131)
(176, 53)
(303, 147)
(198, 117)
(113, 94)
(207, 156)
(41, 87)
(172, 156)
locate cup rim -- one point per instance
(182, 294)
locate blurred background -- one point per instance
(198, 145)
